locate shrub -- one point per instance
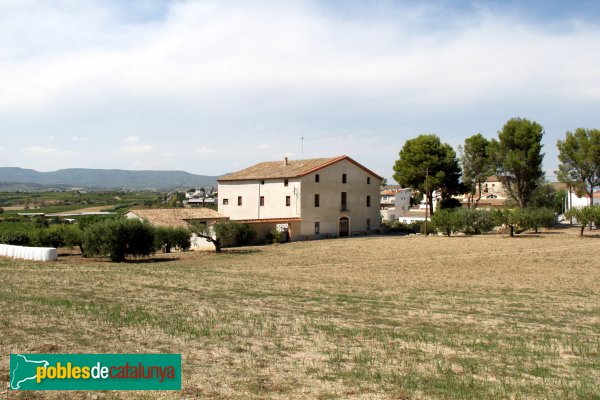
(169, 238)
(585, 215)
(514, 218)
(535, 218)
(401, 227)
(274, 236)
(88, 220)
(46, 238)
(118, 239)
(477, 221)
(72, 236)
(15, 233)
(448, 221)
(232, 233)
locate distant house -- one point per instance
(180, 218)
(394, 201)
(311, 198)
(573, 200)
(208, 201)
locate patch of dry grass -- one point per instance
(376, 317)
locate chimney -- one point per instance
(285, 161)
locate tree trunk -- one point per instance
(512, 231)
(571, 203)
(582, 228)
(430, 204)
(217, 244)
(591, 193)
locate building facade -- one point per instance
(305, 199)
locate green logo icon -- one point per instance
(95, 371)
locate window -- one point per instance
(317, 228)
(344, 178)
(262, 201)
(344, 204)
(316, 200)
(368, 224)
(368, 201)
(288, 201)
(317, 177)
(285, 182)
(368, 180)
(239, 200)
(225, 202)
(262, 182)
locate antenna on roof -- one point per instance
(302, 144)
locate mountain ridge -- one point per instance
(91, 178)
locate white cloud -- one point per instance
(203, 150)
(131, 140)
(260, 74)
(42, 151)
(137, 149)
(78, 139)
(132, 145)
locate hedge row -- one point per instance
(480, 221)
(117, 238)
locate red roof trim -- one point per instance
(338, 160)
(268, 220)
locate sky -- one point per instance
(211, 87)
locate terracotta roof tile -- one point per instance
(177, 217)
(294, 169)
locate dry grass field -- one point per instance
(365, 318)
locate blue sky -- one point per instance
(212, 87)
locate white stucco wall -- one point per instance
(329, 188)
(274, 193)
(402, 201)
(301, 192)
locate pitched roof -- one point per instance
(176, 217)
(293, 169)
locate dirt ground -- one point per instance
(386, 317)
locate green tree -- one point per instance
(477, 221)
(546, 196)
(426, 164)
(201, 229)
(118, 239)
(447, 221)
(225, 233)
(514, 218)
(518, 158)
(579, 156)
(477, 164)
(585, 215)
(535, 218)
(167, 238)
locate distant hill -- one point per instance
(12, 177)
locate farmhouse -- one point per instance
(303, 199)
(180, 218)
